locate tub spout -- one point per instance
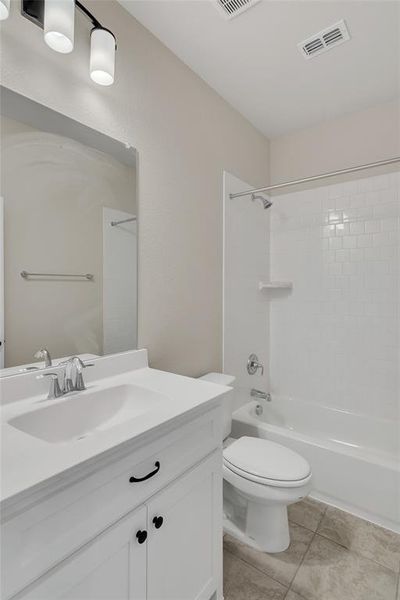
(259, 394)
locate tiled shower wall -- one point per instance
(334, 339)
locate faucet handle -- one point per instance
(80, 365)
(253, 365)
(79, 383)
(55, 391)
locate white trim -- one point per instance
(225, 203)
(224, 194)
(2, 347)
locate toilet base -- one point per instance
(266, 528)
(268, 525)
(234, 531)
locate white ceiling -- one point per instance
(253, 61)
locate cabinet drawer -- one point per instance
(45, 534)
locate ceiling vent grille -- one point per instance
(324, 40)
(233, 8)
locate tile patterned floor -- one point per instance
(332, 556)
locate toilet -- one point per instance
(261, 479)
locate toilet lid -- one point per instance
(266, 459)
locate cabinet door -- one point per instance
(111, 567)
(184, 550)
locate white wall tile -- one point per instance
(335, 339)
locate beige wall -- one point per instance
(54, 189)
(185, 135)
(363, 137)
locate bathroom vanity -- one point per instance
(115, 491)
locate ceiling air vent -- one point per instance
(324, 40)
(233, 8)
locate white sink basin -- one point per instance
(79, 415)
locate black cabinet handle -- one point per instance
(141, 536)
(158, 521)
(136, 479)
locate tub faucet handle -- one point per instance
(253, 364)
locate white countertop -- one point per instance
(27, 461)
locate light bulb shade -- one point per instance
(4, 9)
(59, 23)
(102, 56)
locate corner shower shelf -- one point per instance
(275, 285)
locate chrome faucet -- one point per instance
(72, 378)
(45, 355)
(259, 394)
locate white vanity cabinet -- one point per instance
(167, 549)
(155, 539)
(183, 554)
(112, 566)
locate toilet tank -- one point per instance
(223, 379)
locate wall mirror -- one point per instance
(68, 238)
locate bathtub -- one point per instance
(354, 458)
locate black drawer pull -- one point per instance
(136, 479)
(158, 521)
(141, 536)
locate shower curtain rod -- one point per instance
(380, 163)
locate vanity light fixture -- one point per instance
(4, 9)
(102, 56)
(57, 19)
(59, 24)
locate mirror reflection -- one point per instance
(70, 239)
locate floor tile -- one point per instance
(361, 536)
(331, 572)
(293, 596)
(243, 582)
(307, 513)
(281, 566)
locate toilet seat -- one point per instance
(267, 463)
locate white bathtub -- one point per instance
(354, 458)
